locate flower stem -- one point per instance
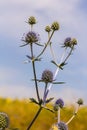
(45, 45)
(58, 114)
(44, 93)
(34, 71)
(38, 112)
(68, 55)
(55, 74)
(75, 113)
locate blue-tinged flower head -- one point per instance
(31, 37)
(4, 120)
(62, 126)
(58, 103)
(70, 42)
(47, 76)
(80, 101)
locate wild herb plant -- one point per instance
(32, 39)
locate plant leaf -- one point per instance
(39, 44)
(58, 82)
(33, 100)
(49, 100)
(24, 45)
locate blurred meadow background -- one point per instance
(21, 112)
(15, 76)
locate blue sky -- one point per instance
(15, 76)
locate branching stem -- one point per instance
(45, 45)
(34, 71)
(38, 112)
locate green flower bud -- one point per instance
(74, 41)
(32, 20)
(4, 120)
(48, 29)
(80, 101)
(55, 26)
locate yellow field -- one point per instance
(22, 112)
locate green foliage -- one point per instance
(21, 112)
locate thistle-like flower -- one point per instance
(70, 42)
(47, 29)
(55, 26)
(58, 103)
(4, 120)
(47, 76)
(62, 126)
(32, 20)
(80, 101)
(31, 37)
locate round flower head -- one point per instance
(55, 26)
(32, 20)
(62, 126)
(67, 42)
(70, 42)
(48, 29)
(31, 37)
(74, 41)
(58, 103)
(4, 120)
(47, 76)
(80, 101)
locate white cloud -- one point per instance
(16, 91)
(69, 94)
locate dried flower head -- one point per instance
(58, 103)
(47, 76)
(48, 29)
(62, 126)
(31, 37)
(55, 26)
(4, 120)
(70, 42)
(32, 20)
(80, 101)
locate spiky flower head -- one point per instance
(80, 101)
(4, 120)
(32, 20)
(47, 29)
(62, 126)
(74, 41)
(59, 103)
(70, 42)
(31, 37)
(47, 76)
(55, 26)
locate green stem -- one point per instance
(68, 55)
(34, 71)
(45, 45)
(38, 112)
(53, 54)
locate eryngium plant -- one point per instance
(32, 39)
(4, 121)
